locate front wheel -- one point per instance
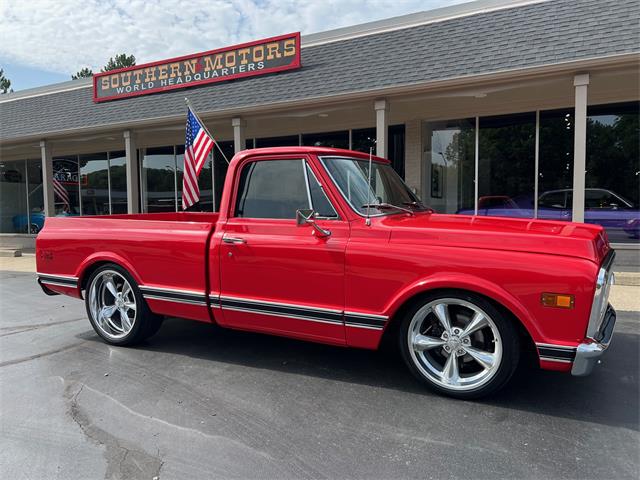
(116, 309)
(459, 344)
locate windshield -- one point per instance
(352, 178)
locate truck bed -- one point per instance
(160, 250)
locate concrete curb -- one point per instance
(631, 279)
(10, 252)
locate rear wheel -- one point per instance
(116, 309)
(459, 344)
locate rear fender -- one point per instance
(101, 257)
(471, 283)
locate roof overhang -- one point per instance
(584, 65)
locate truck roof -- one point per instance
(325, 151)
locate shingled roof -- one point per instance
(524, 36)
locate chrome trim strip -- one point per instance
(66, 277)
(276, 314)
(175, 300)
(175, 295)
(367, 315)
(284, 310)
(360, 325)
(301, 312)
(558, 360)
(51, 282)
(278, 304)
(173, 290)
(557, 347)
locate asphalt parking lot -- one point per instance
(200, 402)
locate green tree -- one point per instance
(83, 73)
(119, 61)
(5, 83)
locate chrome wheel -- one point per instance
(112, 304)
(455, 344)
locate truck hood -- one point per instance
(498, 233)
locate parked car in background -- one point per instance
(602, 207)
(497, 206)
(33, 223)
(346, 255)
(633, 227)
(28, 223)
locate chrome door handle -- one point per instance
(233, 240)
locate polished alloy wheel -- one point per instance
(455, 344)
(113, 304)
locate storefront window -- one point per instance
(396, 148)
(555, 171)
(220, 167)
(506, 165)
(204, 183)
(66, 190)
(35, 196)
(327, 139)
(118, 179)
(449, 159)
(180, 177)
(159, 180)
(363, 139)
(613, 170)
(94, 183)
(13, 197)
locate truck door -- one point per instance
(276, 276)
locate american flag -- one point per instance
(62, 193)
(197, 146)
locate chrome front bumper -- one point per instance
(588, 354)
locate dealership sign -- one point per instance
(255, 58)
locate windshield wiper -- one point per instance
(419, 206)
(387, 206)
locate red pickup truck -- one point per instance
(330, 246)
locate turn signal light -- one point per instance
(557, 300)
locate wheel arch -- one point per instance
(95, 261)
(494, 294)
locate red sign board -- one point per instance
(248, 59)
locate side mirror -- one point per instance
(306, 217)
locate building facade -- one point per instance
(516, 108)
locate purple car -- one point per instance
(602, 207)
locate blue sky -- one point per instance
(45, 41)
(22, 76)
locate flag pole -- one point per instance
(205, 129)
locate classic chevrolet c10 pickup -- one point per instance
(331, 246)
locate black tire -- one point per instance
(145, 323)
(498, 375)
